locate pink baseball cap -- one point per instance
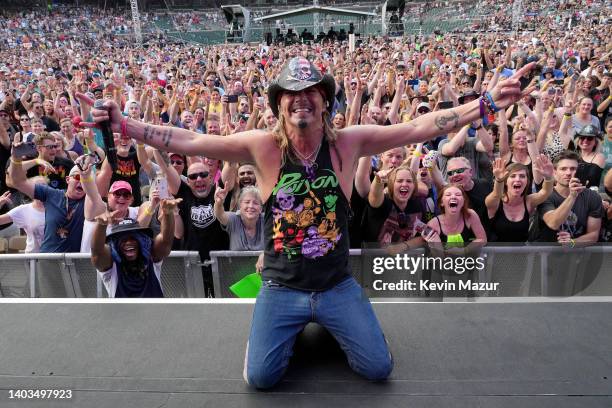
(121, 185)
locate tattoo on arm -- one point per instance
(443, 120)
(164, 134)
(147, 133)
(167, 136)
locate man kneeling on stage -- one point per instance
(305, 171)
(129, 259)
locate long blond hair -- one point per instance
(282, 140)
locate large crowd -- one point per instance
(535, 172)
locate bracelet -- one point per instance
(487, 105)
(124, 127)
(148, 211)
(483, 111)
(16, 161)
(498, 180)
(572, 243)
(87, 179)
(416, 153)
(548, 179)
(567, 115)
(493, 107)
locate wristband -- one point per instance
(87, 179)
(548, 179)
(567, 115)
(148, 211)
(124, 127)
(572, 243)
(483, 111)
(498, 180)
(416, 153)
(493, 107)
(16, 161)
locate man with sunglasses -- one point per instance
(202, 230)
(64, 210)
(475, 149)
(459, 171)
(47, 150)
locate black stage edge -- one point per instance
(552, 354)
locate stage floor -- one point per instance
(550, 354)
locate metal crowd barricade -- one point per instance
(72, 275)
(525, 271)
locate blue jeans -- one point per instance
(281, 313)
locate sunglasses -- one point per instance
(124, 194)
(24, 119)
(423, 110)
(451, 173)
(177, 162)
(76, 176)
(51, 146)
(194, 176)
(3, 115)
(586, 137)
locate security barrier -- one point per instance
(521, 271)
(72, 275)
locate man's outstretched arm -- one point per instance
(371, 140)
(235, 148)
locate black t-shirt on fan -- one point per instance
(203, 232)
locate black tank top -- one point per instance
(467, 236)
(510, 231)
(306, 227)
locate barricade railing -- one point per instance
(520, 271)
(72, 275)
